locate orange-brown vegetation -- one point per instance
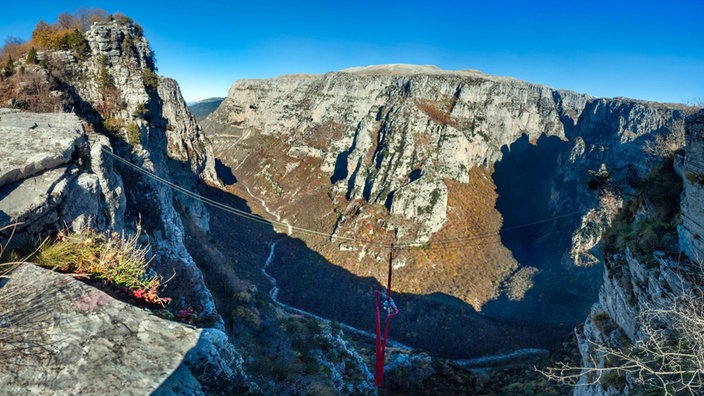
(31, 73)
(64, 34)
(422, 139)
(369, 155)
(300, 189)
(29, 90)
(320, 135)
(438, 111)
(13, 48)
(464, 259)
(67, 32)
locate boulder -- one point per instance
(61, 336)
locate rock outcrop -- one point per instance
(692, 228)
(48, 180)
(647, 281)
(97, 345)
(116, 90)
(61, 170)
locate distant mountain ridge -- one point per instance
(203, 108)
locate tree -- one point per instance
(66, 21)
(78, 44)
(43, 35)
(104, 79)
(667, 357)
(13, 47)
(32, 56)
(9, 68)
(150, 79)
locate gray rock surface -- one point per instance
(169, 144)
(56, 178)
(691, 231)
(396, 141)
(38, 141)
(373, 126)
(61, 336)
(96, 192)
(31, 199)
(631, 284)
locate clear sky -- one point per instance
(640, 49)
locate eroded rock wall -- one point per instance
(650, 281)
(692, 229)
(68, 176)
(382, 150)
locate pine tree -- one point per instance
(9, 68)
(32, 56)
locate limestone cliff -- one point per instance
(646, 280)
(692, 227)
(130, 111)
(59, 170)
(404, 154)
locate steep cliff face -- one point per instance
(65, 175)
(116, 88)
(404, 154)
(654, 279)
(692, 168)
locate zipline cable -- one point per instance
(262, 220)
(235, 211)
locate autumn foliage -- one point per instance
(30, 72)
(67, 33)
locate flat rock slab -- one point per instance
(61, 336)
(31, 143)
(32, 197)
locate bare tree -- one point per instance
(664, 145)
(668, 355)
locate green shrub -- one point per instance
(141, 110)
(659, 193)
(104, 79)
(32, 56)
(150, 79)
(127, 45)
(134, 135)
(77, 43)
(113, 125)
(9, 68)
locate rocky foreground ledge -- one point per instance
(59, 335)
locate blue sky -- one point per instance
(641, 49)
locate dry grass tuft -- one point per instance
(117, 260)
